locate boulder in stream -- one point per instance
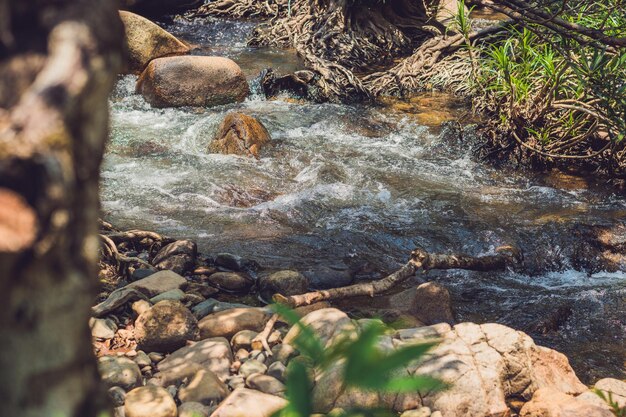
(147, 41)
(240, 134)
(192, 81)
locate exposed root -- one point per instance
(243, 8)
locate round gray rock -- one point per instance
(165, 327)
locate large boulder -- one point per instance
(165, 327)
(192, 81)
(150, 401)
(283, 282)
(249, 403)
(240, 134)
(227, 323)
(147, 41)
(213, 354)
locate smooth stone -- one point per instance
(214, 354)
(172, 295)
(419, 412)
(283, 353)
(141, 273)
(146, 41)
(243, 339)
(178, 375)
(227, 323)
(231, 281)
(212, 305)
(192, 81)
(150, 401)
(283, 282)
(230, 261)
(141, 306)
(193, 409)
(117, 395)
(277, 370)
(142, 359)
(242, 355)
(205, 387)
(102, 328)
(236, 381)
(249, 403)
(327, 277)
(258, 355)
(240, 134)
(252, 366)
(156, 357)
(432, 304)
(179, 256)
(165, 327)
(119, 371)
(158, 283)
(265, 383)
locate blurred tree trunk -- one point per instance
(58, 61)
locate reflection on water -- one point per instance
(345, 186)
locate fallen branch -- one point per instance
(260, 340)
(420, 259)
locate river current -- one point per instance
(354, 188)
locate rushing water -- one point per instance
(350, 190)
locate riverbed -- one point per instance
(354, 188)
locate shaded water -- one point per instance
(352, 189)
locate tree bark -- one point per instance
(58, 61)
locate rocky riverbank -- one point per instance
(176, 338)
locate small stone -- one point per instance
(117, 395)
(150, 401)
(277, 370)
(102, 328)
(283, 353)
(201, 289)
(234, 367)
(236, 381)
(141, 306)
(147, 369)
(131, 354)
(119, 371)
(165, 327)
(192, 299)
(205, 387)
(156, 357)
(252, 366)
(266, 384)
(243, 339)
(420, 412)
(172, 390)
(231, 281)
(173, 295)
(242, 355)
(432, 304)
(258, 355)
(249, 403)
(614, 386)
(193, 409)
(142, 359)
(229, 261)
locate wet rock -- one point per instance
(205, 387)
(214, 354)
(179, 256)
(231, 281)
(432, 304)
(158, 283)
(252, 366)
(227, 323)
(117, 395)
(165, 327)
(150, 401)
(249, 403)
(193, 409)
(277, 370)
(212, 305)
(243, 339)
(265, 383)
(296, 84)
(147, 41)
(118, 371)
(549, 402)
(283, 282)
(230, 261)
(192, 81)
(102, 328)
(171, 295)
(329, 277)
(240, 134)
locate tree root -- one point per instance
(420, 259)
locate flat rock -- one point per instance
(158, 283)
(214, 354)
(119, 371)
(192, 81)
(149, 401)
(146, 41)
(212, 305)
(227, 323)
(165, 327)
(249, 403)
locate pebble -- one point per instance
(156, 357)
(142, 359)
(140, 306)
(277, 370)
(243, 339)
(236, 381)
(252, 366)
(266, 384)
(102, 328)
(242, 355)
(258, 355)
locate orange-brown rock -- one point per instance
(192, 81)
(146, 41)
(240, 134)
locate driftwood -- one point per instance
(420, 259)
